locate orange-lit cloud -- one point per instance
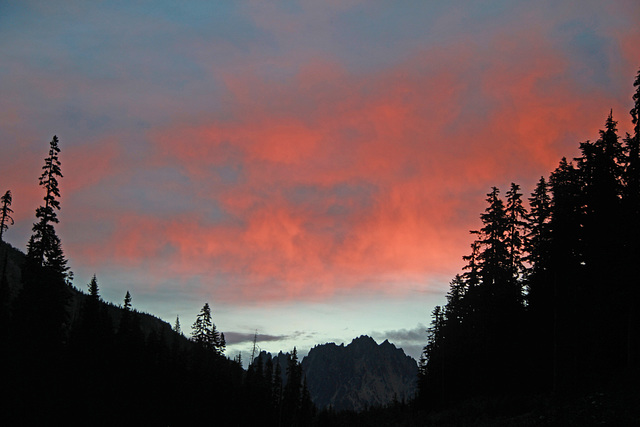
(278, 164)
(364, 180)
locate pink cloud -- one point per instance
(398, 131)
(345, 180)
(87, 165)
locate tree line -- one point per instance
(68, 354)
(548, 300)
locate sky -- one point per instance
(310, 169)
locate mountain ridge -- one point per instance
(359, 375)
(355, 376)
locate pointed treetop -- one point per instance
(176, 326)
(635, 111)
(127, 301)
(93, 288)
(609, 136)
(50, 171)
(44, 246)
(204, 332)
(5, 212)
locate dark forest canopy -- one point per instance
(70, 355)
(548, 300)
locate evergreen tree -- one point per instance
(92, 331)
(222, 344)
(45, 295)
(631, 227)
(176, 326)
(5, 213)
(130, 338)
(566, 270)
(292, 395)
(457, 308)
(5, 220)
(494, 258)
(474, 341)
(44, 247)
(126, 328)
(538, 236)
(515, 236)
(204, 332)
(95, 320)
(600, 169)
(632, 155)
(127, 301)
(541, 292)
(499, 300)
(631, 173)
(472, 274)
(432, 382)
(94, 292)
(201, 328)
(566, 217)
(92, 304)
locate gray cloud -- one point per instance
(247, 337)
(410, 340)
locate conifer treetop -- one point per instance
(5, 212)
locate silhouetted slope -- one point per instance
(101, 363)
(11, 286)
(359, 375)
(11, 261)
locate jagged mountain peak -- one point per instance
(364, 338)
(360, 374)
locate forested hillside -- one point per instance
(548, 301)
(68, 355)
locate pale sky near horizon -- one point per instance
(310, 169)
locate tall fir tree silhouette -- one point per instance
(204, 332)
(494, 255)
(5, 221)
(176, 326)
(43, 300)
(632, 152)
(631, 243)
(44, 247)
(540, 289)
(516, 234)
(292, 393)
(5, 213)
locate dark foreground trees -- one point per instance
(282, 380)
(548, 300)
(5, 212)
(67, 355)
(44, 247)
(205, 334)
(43, 301)
(108, 365)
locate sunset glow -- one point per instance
(285, 161)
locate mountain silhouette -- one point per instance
(359, 375)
